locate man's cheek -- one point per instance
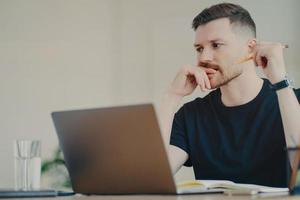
(230, 63)
(223, 60)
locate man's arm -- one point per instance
(185, 82)
(270, 57)
(290, 114)
(177, 157)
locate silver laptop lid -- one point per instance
(116, 150)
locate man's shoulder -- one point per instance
(200, 101)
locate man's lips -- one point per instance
(211, 73)
(210, 70)
(210, 76)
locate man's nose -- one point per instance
(205, 56)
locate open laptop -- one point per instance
(116, 150)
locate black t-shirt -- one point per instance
(244, 144)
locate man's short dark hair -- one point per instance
(235, 13)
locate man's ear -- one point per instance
(251, 44)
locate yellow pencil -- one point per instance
(249, 57)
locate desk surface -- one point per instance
(169, 197)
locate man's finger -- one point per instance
(200, 80)
(207, 83)
(209, 70)
(258, 59)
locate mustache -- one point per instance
(209, 65)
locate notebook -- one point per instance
(227, 186)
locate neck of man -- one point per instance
(242, 89)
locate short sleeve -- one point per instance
(179, 135)
(297, 93)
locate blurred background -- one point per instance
(72, 54)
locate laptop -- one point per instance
(115, 150)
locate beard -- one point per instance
(223, 75)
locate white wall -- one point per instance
(65, 54)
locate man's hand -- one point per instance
(185, 82)
(188, 78)
(270, 57)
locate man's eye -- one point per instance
(199, 50)
(216, 45)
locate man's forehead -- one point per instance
(219, 29)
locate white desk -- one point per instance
(166, 197)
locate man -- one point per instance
(241, 129)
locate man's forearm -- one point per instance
(168, 107)
(290, 114)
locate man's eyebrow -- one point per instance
(211, 41)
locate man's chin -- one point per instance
(218, 82)
(215, 84)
